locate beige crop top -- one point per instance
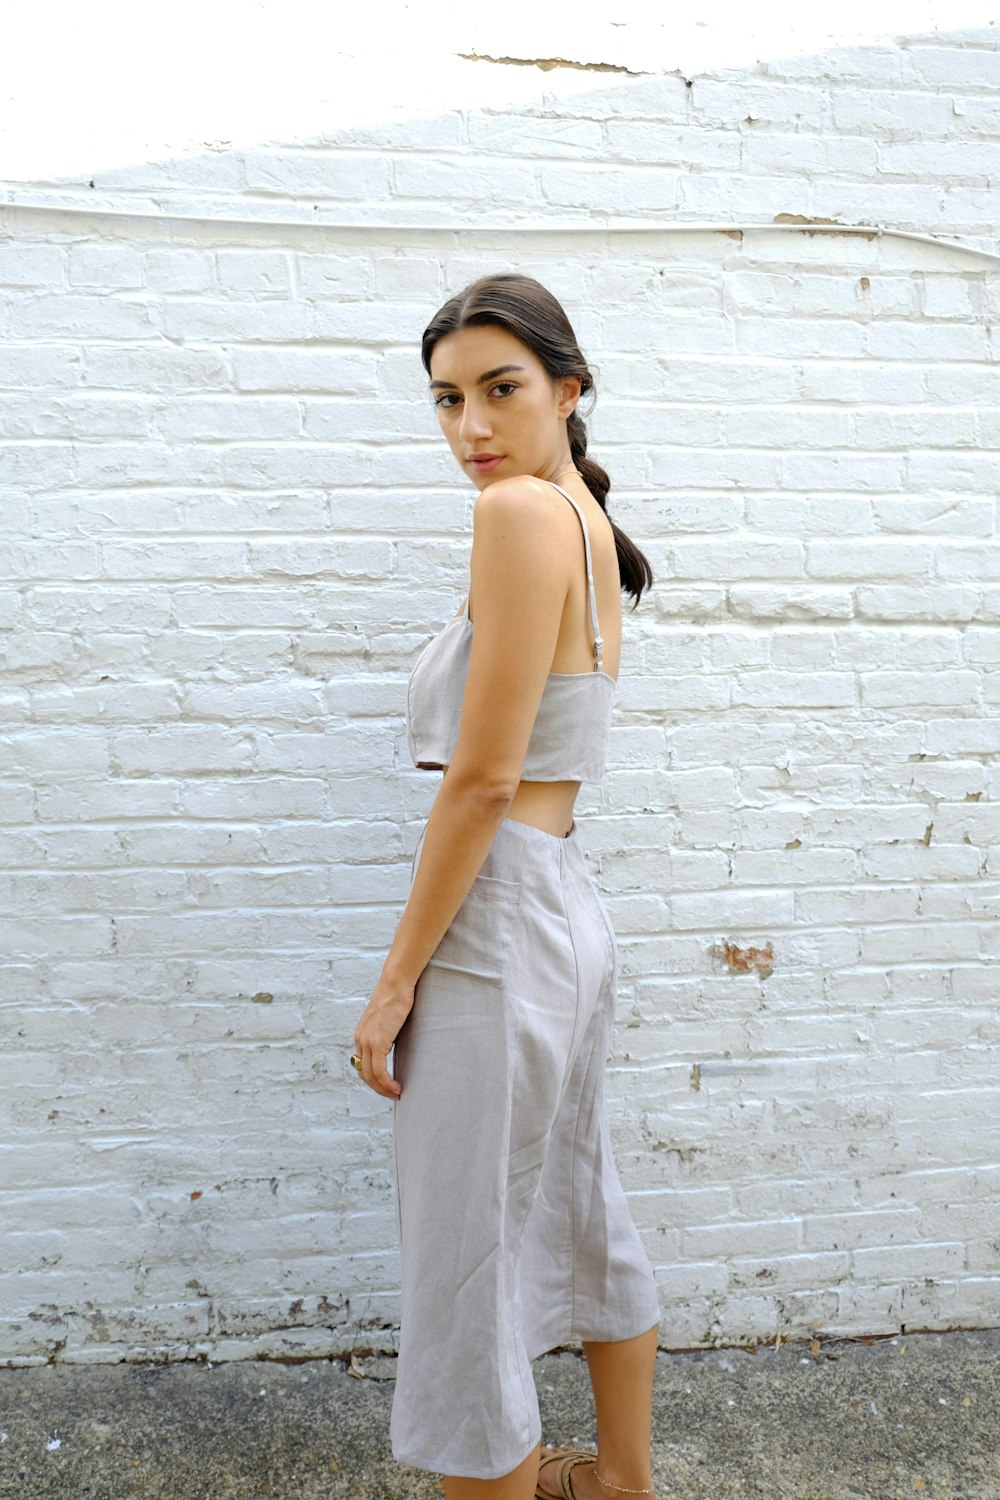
(569, 738)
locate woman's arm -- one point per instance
(520, 588)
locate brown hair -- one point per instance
(532, 314)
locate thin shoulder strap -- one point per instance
(598, 643)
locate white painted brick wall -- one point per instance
(230, 525)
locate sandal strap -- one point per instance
(564, 1462)
(562, 1473)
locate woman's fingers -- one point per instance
(374, 1072)
(375, 1036)
(384, 1082)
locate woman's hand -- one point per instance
(388, 1008)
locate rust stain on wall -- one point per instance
(744, 960)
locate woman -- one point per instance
(499, 988)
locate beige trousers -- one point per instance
(515, 1232)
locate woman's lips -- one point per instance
(486, 463)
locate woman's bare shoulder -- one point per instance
(522, 497)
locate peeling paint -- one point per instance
(807, 219)
(685, 1154)
(548, 63)
(744, 960)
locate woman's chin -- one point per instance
(483, 481)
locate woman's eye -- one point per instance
(503, 389)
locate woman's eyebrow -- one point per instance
(490, 375)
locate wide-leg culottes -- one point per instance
(515, 1232)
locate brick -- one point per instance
(32, 265)
(160, 369)
(343, 371)
(75, 315)
(178, 270)
(483, 183)
(264, 273)
(348, 176)
(226, 320)
(515, 135)
(211, 418)
(155, 560)
(40, 364)
(114, 266)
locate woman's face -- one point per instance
(497, 406)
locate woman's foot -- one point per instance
(581, 1480)
(575, 1481)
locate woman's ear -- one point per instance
(570, 390)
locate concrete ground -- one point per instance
(885, 1419)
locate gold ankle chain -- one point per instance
(622, 1487)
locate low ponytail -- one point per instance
(633, 566)
(529, 311)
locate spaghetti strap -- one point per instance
(598, 643)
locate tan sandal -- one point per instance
(566, 1459)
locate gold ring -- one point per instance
(356, 1061)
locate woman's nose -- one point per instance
(473, 423)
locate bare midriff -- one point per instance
(544, 804)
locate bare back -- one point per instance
(549, 804)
